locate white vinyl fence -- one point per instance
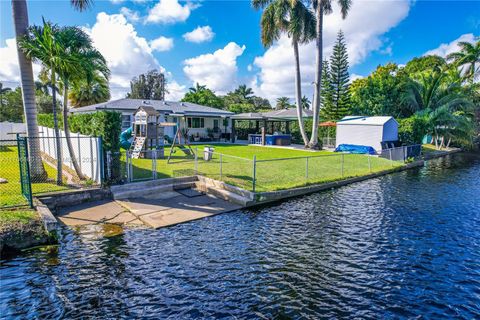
(87, 151)
(9, 130)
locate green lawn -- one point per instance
(17, 216)
(10, 192)
(237, 166)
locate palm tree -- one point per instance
(42, 43)
(295, 19)
(197, 88)
(468, 58)
(244, 92)
(282, 103)
(305, 103)
(443, 103)
(321, 8)
(84, 93)
(86, 63)
(20, 21)
(2, 92)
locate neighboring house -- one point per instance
(197, 119)
(376, 132)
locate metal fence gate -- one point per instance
(25, 183)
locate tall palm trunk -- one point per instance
(318, 77)
(20, 20)
(55, 128)
(298, 92)
(67, 133)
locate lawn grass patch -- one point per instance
(271, 173)
(17, 216)
(10, 192)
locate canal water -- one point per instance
(406, 245)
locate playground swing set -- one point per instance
(148, 136)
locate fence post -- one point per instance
(100, 160)
(221, 166)
(254, 177)
(109, 164)
(196, 161)
(405, 154)
(79, 152)
(306, 169)
(343, 159)
(369, 163)
(390, 152)
(154, 164)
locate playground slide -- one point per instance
(125, 137)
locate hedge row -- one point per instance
(105, 124)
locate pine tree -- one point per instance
(326, 103)
(339, 79)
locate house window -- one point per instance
(196, 123)
(126, 122)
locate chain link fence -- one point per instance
(11, 162)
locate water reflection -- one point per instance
(401, 246)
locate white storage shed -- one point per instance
(366, 131)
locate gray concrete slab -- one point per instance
(103, 211)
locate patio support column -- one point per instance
(232, 138)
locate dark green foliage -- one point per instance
(151, 86)
(243, 99)
(381, 93)
(105, 124)
(335, 103)
(203, 96)
(326, 103)
(424, 64)
(412, 130)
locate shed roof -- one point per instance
(149, 110)
(361, 120)
(172, 107)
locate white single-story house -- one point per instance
(199, 120)
(367, 131)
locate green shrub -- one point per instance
(105, 124)
(412, 130)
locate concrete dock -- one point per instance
(166, 209)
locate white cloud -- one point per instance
(161, 44)
(175, 91)
(363, 28)
(116, 1)
(169, 11)
(9, 70)
(131, 15)
(218, 70)
(446, 48)
(354, 77)
(127, 53)
(200, 34)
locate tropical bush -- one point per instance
(412, 130)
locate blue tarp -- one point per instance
(353, 148)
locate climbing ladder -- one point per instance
(137, 147)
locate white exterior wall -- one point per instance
(364, 135)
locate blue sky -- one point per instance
(226, 51)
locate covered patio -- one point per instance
(266, 128)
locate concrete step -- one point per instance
(141, 193)
(228, 196)
(142, 185)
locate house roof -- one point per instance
(360, 120)
(285, 114)
(171, 107)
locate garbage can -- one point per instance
(208, 153)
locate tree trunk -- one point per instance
(57, 132)
(313, 144)
(20, 20)
(67, 133)
(298, 92)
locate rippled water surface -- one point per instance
(405, 245)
